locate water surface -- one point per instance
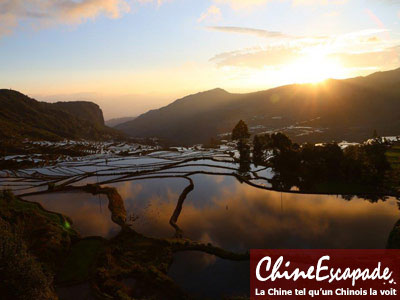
(229, 214)
(90, 214)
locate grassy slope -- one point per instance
(50, 238)
(21, 116)
(40, 240)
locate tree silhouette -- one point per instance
(329, 168)
(244, 150)
(240, 131)
(280, 141)
(258, 150)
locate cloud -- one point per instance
(331, 14)
(361, 49)
(256, 57)
(268, 34)
(245, 30)
(213, 13)
(319, 2)
(239, 4)
(384, 58)
(391, 1)
(49, 12)
(243, 4)
(373, 39)
(158, 2)
(366, 34)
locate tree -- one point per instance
(244, 162)
(258, 150)
(280, 141)
(244, 150)
(240, 131)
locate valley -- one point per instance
(166, 219)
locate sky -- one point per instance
(130, 56)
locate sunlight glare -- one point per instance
(314, 68)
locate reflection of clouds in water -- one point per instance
(240, 217)
(90, 214)
(258, 219)
(208, 187)
(172, 196)
(219, 179)
(206, 260)
(153, 202)
(129, 189)
(157, 215)
(207, 239)
(226, 213)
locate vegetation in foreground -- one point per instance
(33, 243)
(21, 276)
(41, 248)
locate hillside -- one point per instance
(116, 121)
(84, 110)
(21, 116)
(333, 110)
(187, 120)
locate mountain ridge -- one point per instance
(22, 116)
(349, 109)
(116, 121)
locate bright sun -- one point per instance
(313, 71)
(314, 68)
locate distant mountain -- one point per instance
(114, 122)
(84, 110)
(333, 110)
(21, 116)
(192, 119)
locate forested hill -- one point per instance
(21, 116)
(339, 109)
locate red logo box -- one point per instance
(324, 274)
